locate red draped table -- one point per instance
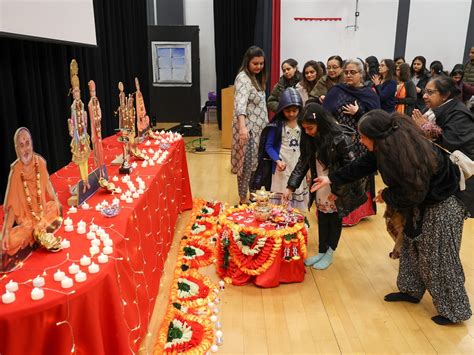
(265, 253)
(110, 311)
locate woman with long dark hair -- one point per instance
(421, 182)
(250, 117)
(405, 98)
(312, 72)
(334, 76)
(325, 147)
(385, 84)
(347, 103)
(420, 77)
(371, 66)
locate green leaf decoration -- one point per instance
(195, 226)
(182, 286)
(226, 257)
(247, 239)
(189, 251)
(173, 333)
(177, 305)
(289, 237)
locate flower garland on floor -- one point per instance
(214, 235)
(188, 326)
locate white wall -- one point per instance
(305, 40)
(201, 13)
(437, 30)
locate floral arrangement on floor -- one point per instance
(234, 239)
(252, 246)
(190, 325)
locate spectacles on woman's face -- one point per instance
(333, 67)
(351, 72)
(429, 92)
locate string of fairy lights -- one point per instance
(157, 233)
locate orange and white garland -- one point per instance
(188, 327)
(256, 258)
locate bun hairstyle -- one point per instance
(446, 86)
(437, 67)
(291, 62)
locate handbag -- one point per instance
(463, 162)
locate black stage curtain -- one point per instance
(234, 30)
(34, 80)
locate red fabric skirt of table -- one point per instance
(109, 312)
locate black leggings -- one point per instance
(329, 229)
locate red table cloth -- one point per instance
(265, 253)
(109, 312)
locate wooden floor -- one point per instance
(339, 310)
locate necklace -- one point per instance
(36, 215)
(293, 136)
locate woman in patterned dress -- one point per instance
(422, 183)
(249, 118)
(347, 103)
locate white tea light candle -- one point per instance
(37, 294)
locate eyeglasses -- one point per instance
(333, 67)
(351, 72)
(429, 92)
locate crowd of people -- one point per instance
(335, 126)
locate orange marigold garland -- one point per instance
(195, 255)
(192, 289)
(183, 333)
(254, 249)
(187, 327)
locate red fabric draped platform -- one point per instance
(276, 255)
(110, 311)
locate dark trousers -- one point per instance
(329, 230)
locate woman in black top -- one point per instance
(422, 183)
(420, 77)
(405, 97)
(291, 76)
(325, 147)
(450, 124)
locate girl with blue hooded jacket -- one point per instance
(280, 150)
